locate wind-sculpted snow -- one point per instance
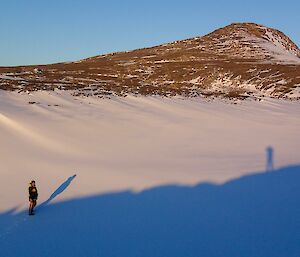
(136, 147)
(135, 142)
(31, 135)
(256, 215)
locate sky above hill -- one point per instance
(40, 32)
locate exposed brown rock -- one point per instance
(236, 61)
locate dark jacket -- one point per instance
(33, 193)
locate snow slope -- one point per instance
(137, 143)
(256, 215)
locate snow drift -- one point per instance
(136, 142)
(137, 161)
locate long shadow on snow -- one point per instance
(58, 191)
(256, 215)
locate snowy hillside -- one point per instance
(255, 43)
(137, 142)
(126, 152)
(242, 60)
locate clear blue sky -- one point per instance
(47, 31)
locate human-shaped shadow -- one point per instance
(270, 159)
(59, 190)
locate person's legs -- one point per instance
(30, 206)
(34, 204)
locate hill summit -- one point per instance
(240, 60)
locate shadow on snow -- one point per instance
(256, 215)
(58, 191)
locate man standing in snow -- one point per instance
(33, 195)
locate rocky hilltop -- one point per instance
(238, 61)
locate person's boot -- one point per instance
(30, 212)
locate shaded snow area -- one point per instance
(154, 176)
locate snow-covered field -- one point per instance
(136, 142)
(119, 146)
